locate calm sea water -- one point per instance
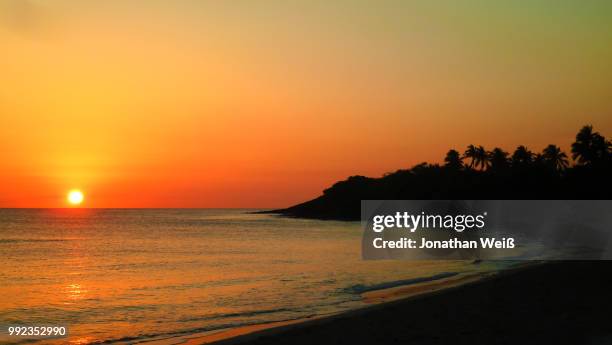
(128, 276)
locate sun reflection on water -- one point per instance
(81, 340)
(75, 291)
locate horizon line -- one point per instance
(138, 208)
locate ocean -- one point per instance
(118, 276)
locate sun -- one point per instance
(75, 197)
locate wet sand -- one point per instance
(554, 303)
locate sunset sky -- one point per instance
(266, 103)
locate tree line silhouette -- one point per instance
(479, 174)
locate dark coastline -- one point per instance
(321, 209)
(342, 201)
(477, 175)
(553, 303)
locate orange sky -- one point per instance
(264, 104)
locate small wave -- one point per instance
(301, 313)
(360, 288)
(28, 240)
(148, 337)
(241, 314)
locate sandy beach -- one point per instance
(552, 303)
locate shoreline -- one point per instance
(372, 300)
(561, 302)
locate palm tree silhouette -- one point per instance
(482, 158)
(453, 160)
(471, 153)
(522, 157)
(590, 147)
(555, 158)
(498, 159)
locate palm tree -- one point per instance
(522, 157)
(590, 147)
(554, 157)
(453, 160)
(482, 158)
(498, 159)
(471, 154)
